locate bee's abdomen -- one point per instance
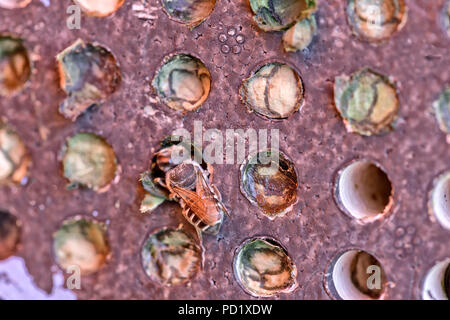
(195, 220)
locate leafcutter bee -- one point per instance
(199, 198)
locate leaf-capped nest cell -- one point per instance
(442, 110)
(9, 234)
(275, 91)
(89, 74)
(15, 66)
(189, 12)
(295, 16)
(89, 161)
(367, 102)
(300, 35)
(14, 4)
(14, 158)
(269, 181)
(171, 257)
(182, 82)
(81, 243)
(264, 268)
(376, 20)
(99, 8)
(276, 15)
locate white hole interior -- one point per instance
(441, 201)
(364, 190)
(433, 287)
(342, 278)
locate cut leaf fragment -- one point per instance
(14, 159)
(81, 243)
(183, 82)
(189, 12)
(367, 102)
(89, 74)
(376, 20)
(171, 257)
(150, 203)
(269, 181)
(300, 35)
(442, 110)
(15, 66)
(9, 234)
(274, 91)
(263, 268)
(276, 15)
(89, 161)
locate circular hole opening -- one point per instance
(14, 4)
(269, 181)
(263, 268)
(83, 67)
(14, 157)
(375, 21)
(81, 244)
(364, 191)
(191, 13)
(9, 234)
(89, 162)
(437, 282)
(99, 8)
(440, 200)
(182, 82)
(15, 65)
(171, 256)
(367, 101)
(357, 275)
(273, 91)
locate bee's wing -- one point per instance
(196, 204)
(205, 192)
(202, 187)
(224, 209)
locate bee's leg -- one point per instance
(219, 197)
(200, 239)
(161, 182)
(185, 210)
(173, 196)
(216, 192)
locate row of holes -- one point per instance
(341, 284)
(365, 192)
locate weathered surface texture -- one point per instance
(315, 138)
